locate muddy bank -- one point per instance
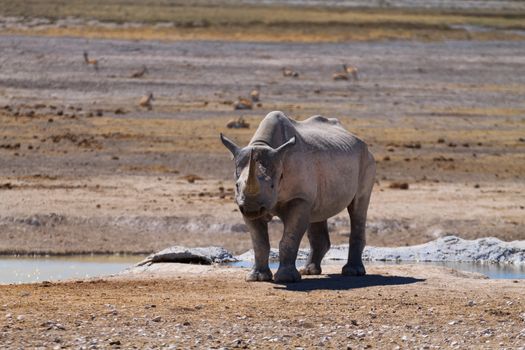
(447, 249)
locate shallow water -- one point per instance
(38, 269)
(493, 271)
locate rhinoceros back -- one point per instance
(315, 133)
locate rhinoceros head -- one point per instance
(258, 171)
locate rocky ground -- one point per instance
(209, 307)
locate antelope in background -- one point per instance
(145, 101)
(290, 73)
(344, 74)
(140, 73)
(90, 61)
(255, 94)
(351, 70)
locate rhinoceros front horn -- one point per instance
(252, 184)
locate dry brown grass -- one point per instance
(260, 23)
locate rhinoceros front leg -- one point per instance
(319, 245)
(261, 248)
(295, 219)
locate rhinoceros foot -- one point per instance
(354, 270)
(287, 274)
(259, 275)
(311, 269)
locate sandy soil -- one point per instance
(205, 307)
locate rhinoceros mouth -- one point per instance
(254, 214)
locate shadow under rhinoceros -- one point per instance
(340, 282)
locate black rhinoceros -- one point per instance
(304, 172)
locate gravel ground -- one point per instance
(205, 307)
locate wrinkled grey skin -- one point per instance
(304, 173)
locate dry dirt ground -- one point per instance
(84, 169)
(142, 214)
(202, 307)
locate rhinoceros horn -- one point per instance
(252, 185)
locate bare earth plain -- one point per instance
(84, 169)
(199, 307)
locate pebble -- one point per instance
(325, 339)
(360, 333)
(157, 319)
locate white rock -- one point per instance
(449, 248)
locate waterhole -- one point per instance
(493, 271)
(38, 269)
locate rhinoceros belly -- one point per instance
(336, 177)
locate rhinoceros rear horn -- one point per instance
(234, 149)
(252, 184)
(285, 145)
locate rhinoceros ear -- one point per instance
(282, 148)
(234, 149)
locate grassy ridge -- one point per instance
(273, 22)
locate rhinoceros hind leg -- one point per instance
(358, 210)
(311, 269)
(259, 275)
(319, 245)
(354, 270)
(354, 266)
